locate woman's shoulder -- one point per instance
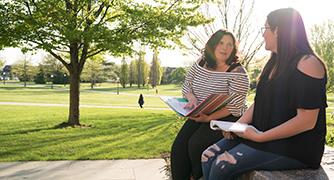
(311, 66)
(197, 63)
(238, 68)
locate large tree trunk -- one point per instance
(73, 118)
(92, 84)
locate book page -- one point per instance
(228, 126)
(209, 105)
(177, 104)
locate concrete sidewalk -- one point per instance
(142, 169)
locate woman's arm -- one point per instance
(238, 85)
(247, 117)
(216, 115)
(187, 88)
(224, 112)
(304, 120)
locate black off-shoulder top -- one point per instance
(277, 101)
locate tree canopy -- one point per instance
(155, 70)
(74, 30)
(96, 25)
(235, 16)
(322, 38)
(2, 63)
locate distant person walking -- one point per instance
(141, 100)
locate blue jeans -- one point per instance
(228, 159)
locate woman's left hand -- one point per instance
(252, 134)
(201, 118)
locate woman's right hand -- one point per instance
(192, 101)
(191, 104)
(228, 135)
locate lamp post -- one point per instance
(4, 77)
(148, 82)
(118, 86)
(51, 81)
(65, 79)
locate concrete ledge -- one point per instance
(325, 172)
(318, 174)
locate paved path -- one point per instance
(142, 169)
(81, 105)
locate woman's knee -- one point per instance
(194, 144)
(224, 166)
(177, 146)
(210, 152)
(226, 157)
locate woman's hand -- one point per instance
(201, 118)
(228, 135)
(191, 104)
(252, 134)
(192, 101)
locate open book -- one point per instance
(209, 105)
(229, 126)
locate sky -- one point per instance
(313, 12)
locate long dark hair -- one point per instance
(209, 51)
(292, 42)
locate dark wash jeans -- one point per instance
(247, 159)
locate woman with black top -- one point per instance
(288, 111)
(218, 71)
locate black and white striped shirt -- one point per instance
(203, 82)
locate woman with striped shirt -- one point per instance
(218, 71)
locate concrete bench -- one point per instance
(318, 174)
(325, 172)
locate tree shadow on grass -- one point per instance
(59, 126)
(27, 131)
(66, 125)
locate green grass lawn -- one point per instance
(31, 133)
(103, 95)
